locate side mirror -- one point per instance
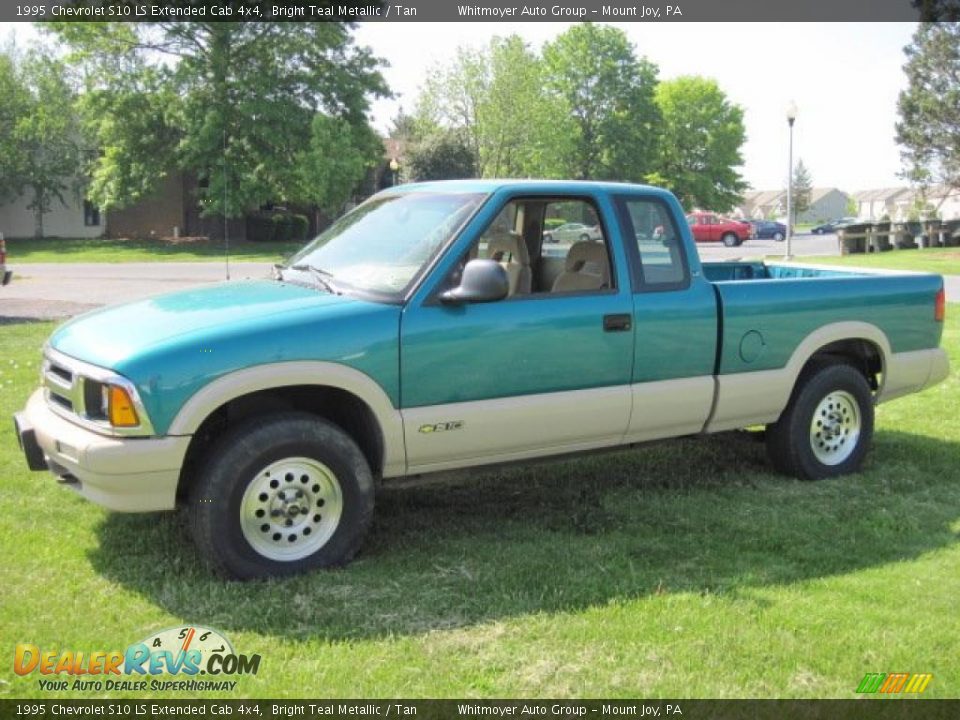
(482, 281)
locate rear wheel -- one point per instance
(584, 238)
(548, 238)
(827, 426)
(730, 239)
(778, 236)
(281, 495)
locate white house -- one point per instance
(75, 218)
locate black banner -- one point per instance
(863, 709)
(480, 10)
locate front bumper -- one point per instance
(123, 474)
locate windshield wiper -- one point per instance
(319, 275)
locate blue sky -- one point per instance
(844, 78)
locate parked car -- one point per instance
(769, 229)
(571, 232)
(710, 227)
(833, 226)
(389, 347)
(5, 274)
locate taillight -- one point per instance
(940, 306)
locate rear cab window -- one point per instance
(654, 244)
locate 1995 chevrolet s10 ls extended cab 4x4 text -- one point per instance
(431, 328)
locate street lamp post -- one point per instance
(791, 116)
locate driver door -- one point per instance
(541, 372)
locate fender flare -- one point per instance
(759, 397)
(304, 372)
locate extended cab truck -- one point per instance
(428, 330)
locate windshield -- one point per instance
(383, 244)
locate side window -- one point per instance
(574, 255)
(659, 246)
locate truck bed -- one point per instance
(767, 309)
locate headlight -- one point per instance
(116, 406)
(94, 397)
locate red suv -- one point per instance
(710, 227)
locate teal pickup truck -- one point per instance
(432, 328)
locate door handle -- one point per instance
(620, 322)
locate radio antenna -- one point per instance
(226, 233)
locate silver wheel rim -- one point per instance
(835, 428)
(291, 508)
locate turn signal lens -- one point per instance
(940, 306)
(120, 408)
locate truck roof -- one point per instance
(493, 185)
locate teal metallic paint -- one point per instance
(676, 333)
(173, 345)
(512, 348)
(784, 311)
(521, 346)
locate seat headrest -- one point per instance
(504, 242)
(590, 253)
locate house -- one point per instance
(890, 203)
(74, 217)
(902, 203)
(825, 204)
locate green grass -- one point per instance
(684, 569)
(945, 261)
(76, 250)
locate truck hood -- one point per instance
(171, 346)
(111, 336)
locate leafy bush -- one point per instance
(282, 227)
(551, 223)
(260, 228)
(300, 226)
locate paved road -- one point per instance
(55, 291)
(51, 290)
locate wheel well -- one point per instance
(340, 407)
(863, 355)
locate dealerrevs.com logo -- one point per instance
(188, 652)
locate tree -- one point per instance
(699, 149)
(929, 125)
(15, 105)
(802, 190)
(606, 119)
(42, 148)
(494, 98)
(442, 155)
(229, 101)
(853, 207)
(336, 160)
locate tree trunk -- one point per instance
(38, 203)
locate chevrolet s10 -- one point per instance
(431, 329)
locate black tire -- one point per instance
(778, 236)
(792, 441)
(548, 238)
(584, 238)
(243, 457)
(730, 239)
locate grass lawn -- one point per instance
(945, 261)
(684, 569)
(75, 250)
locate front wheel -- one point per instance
(280, 495)
(827, 426)
(778, 236)
(548, 238)
(730, 240)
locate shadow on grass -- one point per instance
(701, 516)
